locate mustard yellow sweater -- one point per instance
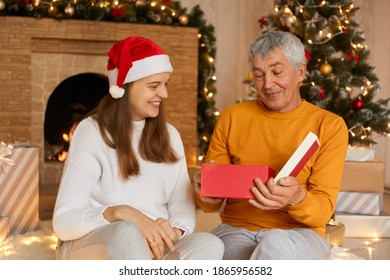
(247, 133)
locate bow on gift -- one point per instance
(5, 152)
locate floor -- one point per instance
(378, 249)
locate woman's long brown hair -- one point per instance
(114, 119)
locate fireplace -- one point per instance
(71, 100)
(40, 57)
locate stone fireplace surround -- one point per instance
(36, 55)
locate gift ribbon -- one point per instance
(5, 152)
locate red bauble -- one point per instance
(358, 104)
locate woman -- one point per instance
(125, 189)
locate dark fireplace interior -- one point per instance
(72, 99)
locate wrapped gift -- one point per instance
(360, 154)
(361, 176)
(360, 203)
(365, 226)
(4, 228)
(19, 188)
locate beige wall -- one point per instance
(236, 25)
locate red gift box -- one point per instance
(232, 181)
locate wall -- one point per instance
(236, 25)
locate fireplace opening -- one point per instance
(71, 100)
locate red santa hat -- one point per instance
(132, 59)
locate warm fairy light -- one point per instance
(211, 59)
(162, 7)
(116, 2)
(310, 41)
(200, 158)
(214, 78)
(329, 35)
(216, 113)
(65, 137)
(349, 89)
(199, 35)
(203, 45)
(323, 3)
(286, 10)
(210, 94)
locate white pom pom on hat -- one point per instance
(132, 59)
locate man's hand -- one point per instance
(271, 196)
(197, 180)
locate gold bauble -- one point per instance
(326, 69)
(183, 19)
(288, 20)
(69, 10)
(2, 5)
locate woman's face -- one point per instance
(146, 95)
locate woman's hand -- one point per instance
(157, 234)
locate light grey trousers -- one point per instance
(124, 241)
(275, 244)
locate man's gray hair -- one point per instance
(288, 43)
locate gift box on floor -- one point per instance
(4, 227)
(360, 203)
(360, 154)
(359, 176)
(365, 226)
(19, 189)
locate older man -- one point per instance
(287, 219)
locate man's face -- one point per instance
(277, 82)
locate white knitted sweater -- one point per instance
(91, 182)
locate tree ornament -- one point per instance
(326, 69)
(308, 55)
(183, 19)
(2, 5)
(69, 10)
(358, 104)
(262, 22)
(354, 56)
(287, 18)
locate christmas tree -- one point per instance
(339, 77)
(167, 12)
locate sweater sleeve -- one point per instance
(324, 181)
(73, 215)
(181, 206)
